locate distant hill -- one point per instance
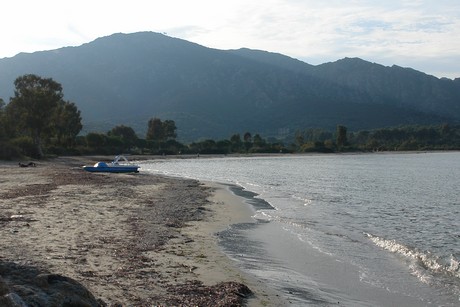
(129, 78)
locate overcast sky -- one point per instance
(422, 34)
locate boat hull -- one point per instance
(112, 169)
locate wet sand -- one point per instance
(129, 239)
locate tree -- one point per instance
(169, 129)
(299, 138)
(95, 140)
(341, 136)
(126, 134)
(3, 134)
(259, 141)
(161, 131)
(236, 142)
(67, 123)
(235, 139)
(33, 105)
(247, 137)
(155, 129)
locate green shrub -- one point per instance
(9, 151)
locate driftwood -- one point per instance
(32, 164)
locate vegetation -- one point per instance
(341, 137)
(37, 117)
(160, 131)
(39, 122)
(438, 137)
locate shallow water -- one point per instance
(371, 229)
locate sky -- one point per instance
(421, 34)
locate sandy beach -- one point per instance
(117, 239)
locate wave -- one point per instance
(425, 260)
(306, 201)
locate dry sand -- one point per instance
(130, 239)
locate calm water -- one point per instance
(376, 229)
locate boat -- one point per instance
(113, 167)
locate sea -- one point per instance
(377, 229)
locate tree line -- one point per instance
(402, 138)
(37, 121)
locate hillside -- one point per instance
(129, 78)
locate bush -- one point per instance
(26, 146)
(9, 151)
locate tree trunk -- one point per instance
(38, 145)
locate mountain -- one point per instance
(129, 78)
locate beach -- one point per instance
(118, 239)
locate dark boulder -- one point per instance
(46, 290)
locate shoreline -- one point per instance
(91, 159)
(128, 239)
(251, 155)
(230, 209)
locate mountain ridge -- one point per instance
(129, 78)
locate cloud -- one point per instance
(388, 32)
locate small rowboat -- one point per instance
(113, 167)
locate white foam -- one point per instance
(423, 260)
(306, 201)
(263, 215)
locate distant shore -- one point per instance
(129, 239)
(248, 155)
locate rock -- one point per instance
(12, 300)
(4, 289)
(64, 291)
(51, 290)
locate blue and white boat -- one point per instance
(113, 167)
